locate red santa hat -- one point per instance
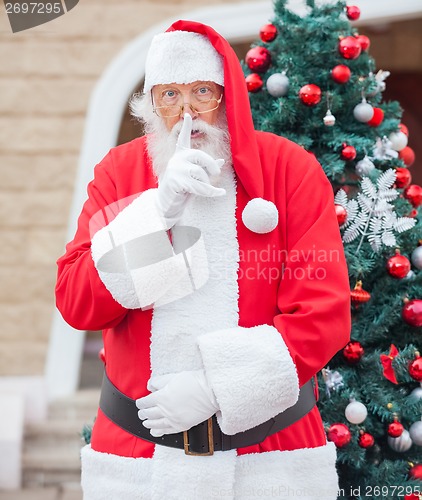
(189, 51)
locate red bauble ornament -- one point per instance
(413, 213)
(101, 355)
(366, 440)
(341, 73)
(412, 496)
(358, 295)
(364, 41)
(415, 369)
(310, 94)
(254, 82)
(398, 266)
(268, 33)
(412, 312)
(258, 59)
(349, 47)
(348, 153)
(413, 193)
(353, 352)
(415, 471)
(404, 129)
(339, 434)
(353, 12)
(377, 119)
(395, 429)
(403, 177)
(341, 214)
(407, 155)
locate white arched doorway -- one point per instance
(107, 105)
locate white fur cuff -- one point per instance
(251, 373)
(137, 262)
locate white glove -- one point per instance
(187, 174)
(180, 402)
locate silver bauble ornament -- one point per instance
(356, 412)
(329, 119)
(401, 443)
(364, 166)
(415, 432)
(416, 393)
(398, 140)
(363, 112)
(409, 276)
(416, 257)
(278, 84)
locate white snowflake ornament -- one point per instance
(371, 216)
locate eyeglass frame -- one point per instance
(182, 107)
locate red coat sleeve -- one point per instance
(81, 297)
(314, 293)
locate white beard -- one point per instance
(161, 142)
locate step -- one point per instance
(82, 405)
(56, 430)
(51, 466)
(67, 491)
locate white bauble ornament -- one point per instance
(410, 275)
(363, 112)
(416, 257)
(260, 216)
(416, 393)
(329, 119)
(364, 166)
(278, 84)
(356, 412)
(415, 432)
(398, 140)
(401, 443)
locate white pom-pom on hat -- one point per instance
(260, 216)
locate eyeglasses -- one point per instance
(199, 108)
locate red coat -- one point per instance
(312, 315)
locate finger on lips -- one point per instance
(183, 141)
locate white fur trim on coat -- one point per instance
(308, 473)
(170, 57)
(171, 475)
(175, 326)
(251, 373)
(137, 262)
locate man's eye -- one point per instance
(204, 90)
(169, 93)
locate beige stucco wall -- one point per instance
(46, 77)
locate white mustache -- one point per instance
(198, 125)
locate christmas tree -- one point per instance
(311, 79)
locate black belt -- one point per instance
(206, 437)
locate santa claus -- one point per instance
(210, 256)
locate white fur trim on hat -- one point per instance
(260, 216)
(182, 57)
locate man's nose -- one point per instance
(187, 108)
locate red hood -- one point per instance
(246, 161)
